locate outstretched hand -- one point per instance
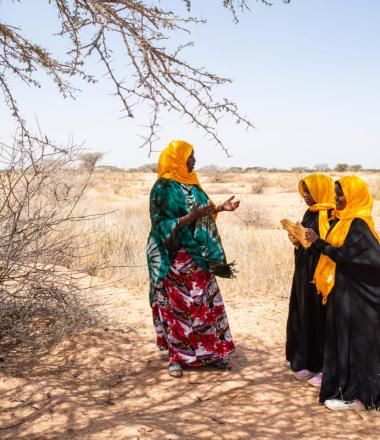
(230, 204)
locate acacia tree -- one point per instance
(157, 76)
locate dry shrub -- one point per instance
(215, 177)
(39, 235)
(258, 184)
(253, 216)
(41, 322)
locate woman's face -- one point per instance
(340, 200)
(190, 163)
(307, 196)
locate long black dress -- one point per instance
(306, 318)
(351, 368)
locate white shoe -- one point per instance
(341, 405)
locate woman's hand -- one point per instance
(195, 213)
(311, 235)
(294, 240)
(229, 205)
(198, 211)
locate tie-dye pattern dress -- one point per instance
(188, 311)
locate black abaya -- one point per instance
(306, 318)
(351, 368)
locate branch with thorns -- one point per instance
(156, 76)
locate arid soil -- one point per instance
(113, 384)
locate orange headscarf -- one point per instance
(321, 188)
(172, 163)
(359, 205)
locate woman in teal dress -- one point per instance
(185, 253)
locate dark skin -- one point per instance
(307, 196)
(341, 203)
(340, 199)
(198, 211)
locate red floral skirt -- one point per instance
(189, 315)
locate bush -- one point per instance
(89, 160)
(322, 167)
(341, 167)
(356, 168)
(258, 185)
(39, 191)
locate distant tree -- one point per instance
(234, 170)
(89, 160)
(148, 168)
(255, 169)
(342, 167)
(210, 169)
(322, 167)
(298, 169)
(156, 75)
(277, 170)
(356, 168)
(110, 168)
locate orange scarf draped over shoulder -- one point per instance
(359, 205)
(172, 163)
(321, 188)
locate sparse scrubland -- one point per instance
(252, 235)
(109, 382)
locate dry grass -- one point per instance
(375, 187)
(258, 184)
(251, 236)
(101, 384)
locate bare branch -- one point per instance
(156, 75)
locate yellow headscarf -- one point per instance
(321, 188)
(359, 205)
(172, 163)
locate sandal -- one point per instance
(175, 369)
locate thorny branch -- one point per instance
(40, 188)
(156, 75)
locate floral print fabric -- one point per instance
(189, 314)
(169, 201)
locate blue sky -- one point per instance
(306, 74)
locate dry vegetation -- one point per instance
(252, 235)
(111, 383)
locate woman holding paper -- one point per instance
(348, 278)
(306, 319)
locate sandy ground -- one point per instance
(113, 384)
